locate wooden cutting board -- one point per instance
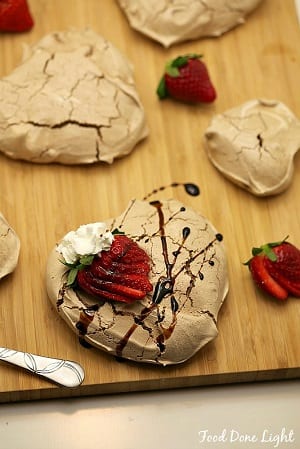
(259, 339)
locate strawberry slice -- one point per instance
(263, 279)
(186, 79)
(85, 284)
(134, 280)
(275, 267)
(101, 269)
(120, 274)
(286, 269)
(15, 16)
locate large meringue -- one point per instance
(9, 248)
(181, 20)
(170, 324)
(73, 100)
(254, 145)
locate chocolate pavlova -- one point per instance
(145, 286)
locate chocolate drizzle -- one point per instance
(138, 321)
(165, 285)
(163, 288)
(190, 188)
(61, 296)
(85, 318)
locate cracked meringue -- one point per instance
(9, 248)
(254, 145)
(189, 278)
(72, 100)
(181, 20)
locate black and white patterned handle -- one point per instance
(63, 372)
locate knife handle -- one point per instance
(63, 372)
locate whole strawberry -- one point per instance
(186, 79)
(15, 16)
(275, 267)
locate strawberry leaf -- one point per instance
(172, 67)
(86, 260)
(267, 250)
(72, 276)
(116, 231)
(69, 265)
(172, 70)
(75, 267)
(162, 89)
(256, 251)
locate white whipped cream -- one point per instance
(86, 240)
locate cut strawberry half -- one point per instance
(275, 267)
(120, 274)
(263, 279)
(286, 268)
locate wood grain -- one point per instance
(258, 338)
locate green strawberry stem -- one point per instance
(173, 66)
(83, 262)
(266, 250)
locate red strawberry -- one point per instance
(120, 274)
(275, 267)
(186, 79)
(15, 16)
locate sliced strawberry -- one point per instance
(286, 268)
(138, 268)
(135, 280)
(15, 16)
(105, 260)
(135, 255)
(99, 270)
(99, 293)
(275, 267)
(120, 246)
(113, 286)
(264, 280)
(115, 274)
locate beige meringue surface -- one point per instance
(254, 145)
(9, 247)
(182, 20)
(258, 338)
(166, 328)
(72, 100)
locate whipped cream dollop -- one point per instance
(86, 240)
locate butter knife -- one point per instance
(63, 372)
